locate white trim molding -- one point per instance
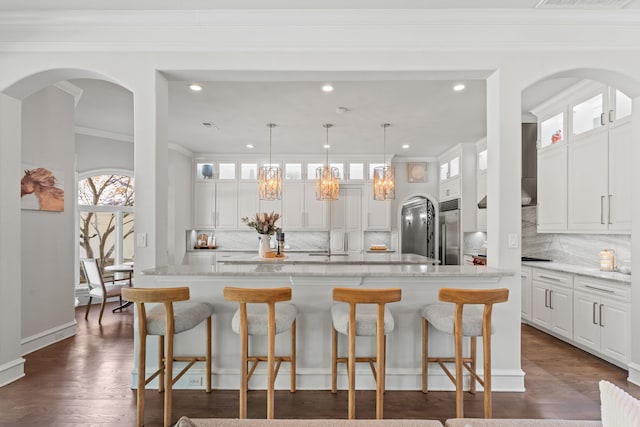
(11, 371)
(48, 337)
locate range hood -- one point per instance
(529, 181)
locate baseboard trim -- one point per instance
(48, 337)
(634, 373)
(11, 371)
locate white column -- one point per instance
(11, 362)
(504, 206)
(150, 102)
(634, 366)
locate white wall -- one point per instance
(180, 204)
(102, 153)
(48, 243)
(406, 189)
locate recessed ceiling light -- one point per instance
(249, 146)
(326, 146)
(405, 146)
(327, 88)
(459, 87)
(195, 87)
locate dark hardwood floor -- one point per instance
(85, 381)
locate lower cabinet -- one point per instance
(602, 317)
(552, 301)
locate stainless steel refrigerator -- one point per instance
(418, 227)
(449, 247)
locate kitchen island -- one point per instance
(312, 279)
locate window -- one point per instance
(106, 221)
(249, 171)
(227, 171)
(293, 171)
(311, 169)
(454, 167)
(356, 170)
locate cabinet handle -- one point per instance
(611, 116)
(600, 315)
(609, 209)
(609, 291)
(550, 305)
(546, 292)
(595, 304)
(346, 241)
(555, 279)
(601, 209)
(602, 120)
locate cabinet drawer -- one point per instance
(553, 277)
(602, 287)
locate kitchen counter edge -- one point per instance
(583, 271)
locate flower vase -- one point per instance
(265, 245)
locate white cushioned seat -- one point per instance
(258, 318)
(366, 319)
(187, 314)
(441, 316)
(112, 290)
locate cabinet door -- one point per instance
(552, 189)
(620, 190)
(481, 191)
(540, 313)
(338, 241)
(292, 205)
(226, 204)
(561, 304)
(616, 323)
(378, 213)
(525, 310)
(586, 330)
(315, 211)
(587, 182)
(248, 203)
(204, 206)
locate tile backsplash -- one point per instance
(577, 249)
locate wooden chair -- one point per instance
(472, 322)
(172, 315)
(263, 317)
(366, 321)
(97, 286)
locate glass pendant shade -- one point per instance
(327, 177)
(270, 177)
(384, 183)
(270, 183)
(384, 177)
(327, 183)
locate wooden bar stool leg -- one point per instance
(458, 351)
(352, 362)
(168, 378)
(142, 360)
(271, 359)
(293, 357)
(208, 357)
(486, 344)
(474, 352)
(161, 362)
(334, 359)
(425, 354)
(384, 365)
(380, 362)
(244, 351)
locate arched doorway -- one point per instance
(418, 226)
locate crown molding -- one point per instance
(341, 30)
(180, 149)
(80, 130)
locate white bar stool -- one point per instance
(366, 321)
(471, 322)
(267, 318)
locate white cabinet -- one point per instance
(525, 310)
(481, 183)
(248, 203)
(346, 221)
(227, 205)
(300, 209)
(602, 317)
(592, 194)
(552, 301)
(552, 188)
(204, 212)
(450, 189)
(378, 213)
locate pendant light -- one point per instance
(327, 178)
(384, 177)
(270, 177)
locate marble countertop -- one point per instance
(321, 258)
(328, 270)
(584, 271)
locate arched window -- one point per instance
(106, 218)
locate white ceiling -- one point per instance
(422, 108)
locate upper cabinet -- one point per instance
(450, 175)
(583, 168)
(481, 182)
(458, 180)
